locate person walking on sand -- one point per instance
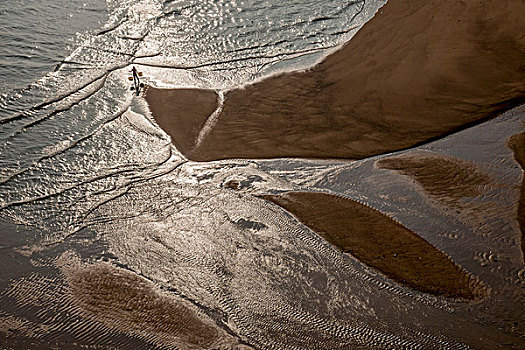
(136, 80)
(135, 75)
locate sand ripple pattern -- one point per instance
(517, 144)
(380, 242)
(447, 179)
(123, 243)
(104, 304)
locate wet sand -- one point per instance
(182, 113)
(517, 144)
(108, 306)
(417, 71)
(447, 179)
(123, 300)
(380, 242)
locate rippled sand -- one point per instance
(418, 70)
(133, 305)
(104, 305)
(418, 249)
(447, 179)
(380, 242)
(517, 144)
(454, 182)
(201, 246)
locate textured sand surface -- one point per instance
(380, 242)
(417, 71)
(446, 179)
(517, 144)
(122, 299)
(182, 112)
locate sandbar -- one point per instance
(380, 242)
(135, 306)
(447, 179)
(417, 71)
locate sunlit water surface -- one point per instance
(95, 181)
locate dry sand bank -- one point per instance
(418, 70)
(380, 242)
(517, 144)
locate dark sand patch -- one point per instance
(517, 144)
(417, 71)
(181, 113)
(447, 179)
(135, 306)
(380, 242)
(104, 307)
(12, 326)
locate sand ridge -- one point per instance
(416, 71)
(517, 144)
(446, 179)
(380, 242)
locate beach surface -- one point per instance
(183, 112)
(112, 238)
(380, 242)
(417, 71)
(517, 144)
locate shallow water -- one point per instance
(96, 188)
(37, 35)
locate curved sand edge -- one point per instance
(517, 145)
(445, 178)
(182, 113)
(380, 242)
(126, 302)
(416, 71)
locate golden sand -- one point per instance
(417, 71)
(447, 179)
(133, 305)
(380, 242)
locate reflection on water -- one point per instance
(36, 35)
(119, 235)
